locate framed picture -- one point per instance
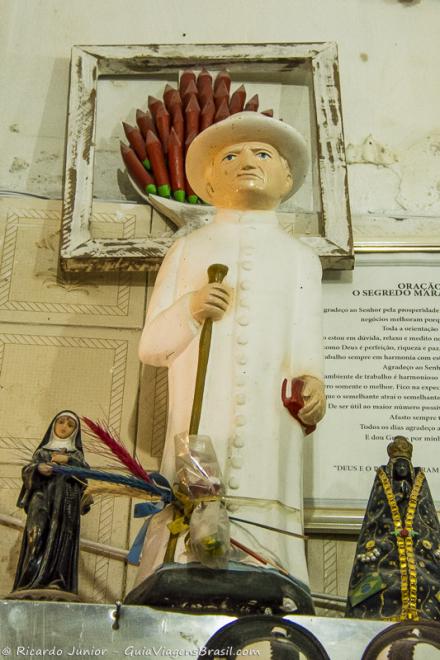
(300, 83)
(381, 342)
(402, 232)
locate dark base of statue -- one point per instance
(53, 595)
(237, 590)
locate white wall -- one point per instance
(389, 63)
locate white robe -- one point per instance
(271, 331)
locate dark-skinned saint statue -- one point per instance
(396, 571)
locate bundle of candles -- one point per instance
(155, 158)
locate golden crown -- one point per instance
(400, 447)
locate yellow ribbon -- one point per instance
(405, 546)
(187, 504)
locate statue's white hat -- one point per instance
(246, 127)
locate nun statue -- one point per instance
(48, 563)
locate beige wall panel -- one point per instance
(120, 220)
(153, 406)
(9, 552)
(330, 562)
(315, 564)
(134, 528)
(160, 226)
(31, 290)
(44, 369)
(101, 579)
(131, 577)
(345, 559)
(10, 538)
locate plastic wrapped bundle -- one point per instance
(198, 473)
(209, 533)
(200, 488)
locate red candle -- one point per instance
(174, 101)
(136, 140)
(186, 77)
(221, 94)
(144, 180)
(171, 96)
(207, 115)
(153, 105)
(178, 122)
(189, 92)
(163, 125)
(224, 77)
(192, 114)
(176, 166)
(145, 122)
(204, 86)
(237, 100)
(190, 194)
(157, 159)
(268, 113)
(252, 104)
(222, 112)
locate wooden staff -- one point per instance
(216, 273)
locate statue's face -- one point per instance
(64, 426)
(401, 469)
(248, 175)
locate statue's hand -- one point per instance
(210, 302)
(313, 395)
(60, 459)
(45, 469)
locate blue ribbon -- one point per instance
(142, 510)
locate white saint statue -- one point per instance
(267, 327)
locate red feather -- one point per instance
(115, 445)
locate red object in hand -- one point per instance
(295, 402)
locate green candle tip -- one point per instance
(164, 191)
(179, 195)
